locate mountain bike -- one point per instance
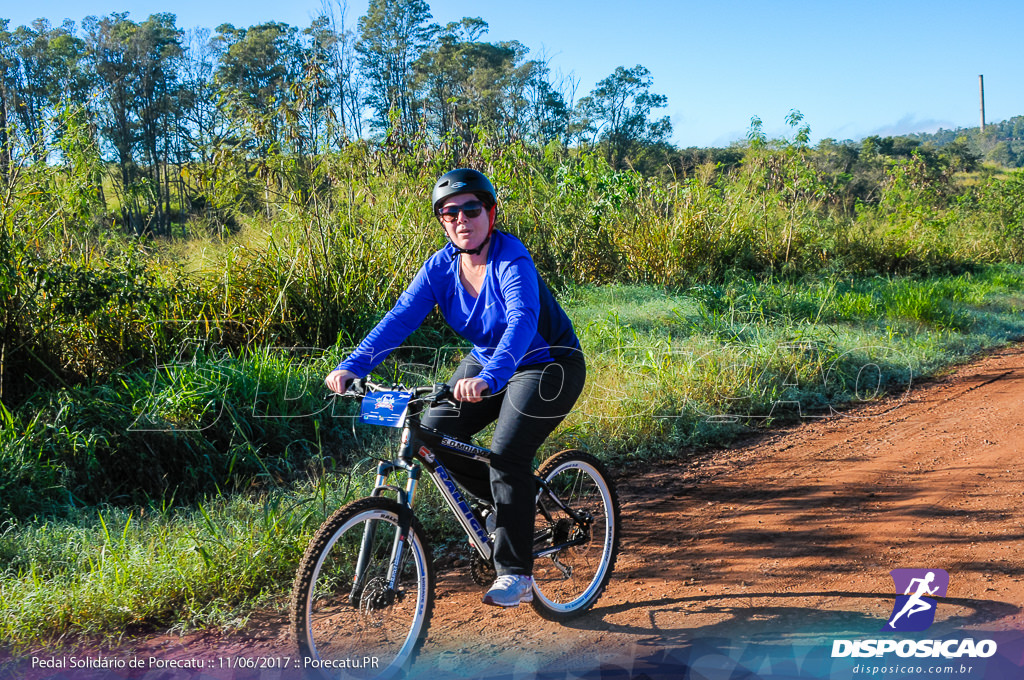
(364, 591)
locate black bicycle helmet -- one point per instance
(463, 181)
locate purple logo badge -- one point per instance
(915, 609)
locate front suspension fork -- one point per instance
(404, 498)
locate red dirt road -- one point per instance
(787, 540)
(793, 535)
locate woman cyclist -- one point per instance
(525, 371)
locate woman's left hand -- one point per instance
(470, 389)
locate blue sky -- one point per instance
(853, 69)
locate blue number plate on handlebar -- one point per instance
(384, 408)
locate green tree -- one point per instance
(1003, 154)
(392, 36)
(617, 113)
(337, 46)
(136, 66)
(200, 123)
(278, 90)
(8, 73)
(468, 84)
(43, 75)
(257, 68)
(546, 114)
(158, 50)
(32, 85)
(959, 156)
(318, 116)
(442, 73)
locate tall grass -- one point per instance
(668, 371)
(207, 423)
(112, 571)
(80, 304)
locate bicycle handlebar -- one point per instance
(433, 395)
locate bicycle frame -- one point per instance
(418, 448)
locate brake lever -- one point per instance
(356, 388)
(444, 395)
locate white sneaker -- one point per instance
(510, 590)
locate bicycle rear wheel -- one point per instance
(348, 623)
(568, 581)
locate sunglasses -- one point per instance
(450, 213)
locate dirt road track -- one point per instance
(787, 539)
(794, 534)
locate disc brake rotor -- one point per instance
(376, 596)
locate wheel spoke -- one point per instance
(569, 580)
(348, 621)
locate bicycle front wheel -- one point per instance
(347, 620)
(568, 581)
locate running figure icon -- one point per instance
(916, 602)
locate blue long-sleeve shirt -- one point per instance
(514, 320)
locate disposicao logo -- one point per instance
(915, 609)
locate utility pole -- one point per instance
(981, 94)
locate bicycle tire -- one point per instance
(343, 633)
(582, 482)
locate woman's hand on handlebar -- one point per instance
(470, 389)
(338, 380)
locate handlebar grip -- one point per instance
(443, 396)
(355, 388)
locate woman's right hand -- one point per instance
(338, 380)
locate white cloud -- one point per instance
(909, 124)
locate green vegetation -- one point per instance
(1000, 142)
(180, 266)
(668, 371)
(165, 450)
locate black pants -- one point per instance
(536, 399)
